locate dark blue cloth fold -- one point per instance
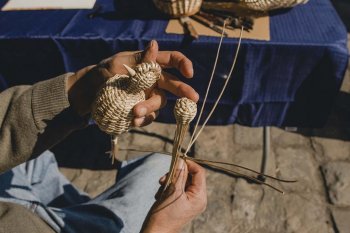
(291, 80)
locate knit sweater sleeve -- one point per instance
(33, 119)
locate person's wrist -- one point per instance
(82, 87)
(77, 75)
(153, 227)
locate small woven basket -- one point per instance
(266, 5)
(178, 8)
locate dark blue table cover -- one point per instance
(291, 80)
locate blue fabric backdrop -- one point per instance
(291, 80)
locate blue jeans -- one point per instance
(39, 186)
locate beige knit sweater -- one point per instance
(33, 119)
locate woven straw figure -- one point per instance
(185, 111)
(112, 108)
(266, 5)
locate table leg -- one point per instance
(266, 151)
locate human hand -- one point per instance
(180, 203)
(84, 84)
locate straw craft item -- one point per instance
(185, 110)
(178, 8)
(266, 5)
(112, 108)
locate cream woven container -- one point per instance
(178, 8)
(266, 5)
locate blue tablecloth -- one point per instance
(291, 80)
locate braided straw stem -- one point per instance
(185, 110)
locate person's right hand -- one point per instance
(85, 83)
(180, 203)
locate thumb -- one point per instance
(181, 174)
(151, 52)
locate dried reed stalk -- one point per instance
(216, 165)
(196, 134)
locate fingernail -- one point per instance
(141, 112)
(139, 121)
(162, 179)
(180, 164)
(150, 45)
(197, 97)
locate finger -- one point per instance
(163, 179)
(158, 194)
(188, 181)
(175, 59)
(180, 176)
(115, 64)
(162, 194)
(137, 57)
(151, 52)
(198, 184)
(130, 58)
(156, 101)
(172, 84)
(146, 120)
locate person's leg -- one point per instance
(123, 207)
(40, 178)
(37, 184)
(136, 186)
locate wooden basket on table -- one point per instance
(178, 8)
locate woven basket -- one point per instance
(266, 5)
(178, 8)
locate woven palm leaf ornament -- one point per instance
(112, 112)
(112, 108)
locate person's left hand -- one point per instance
(84, 84)
(181, 202)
